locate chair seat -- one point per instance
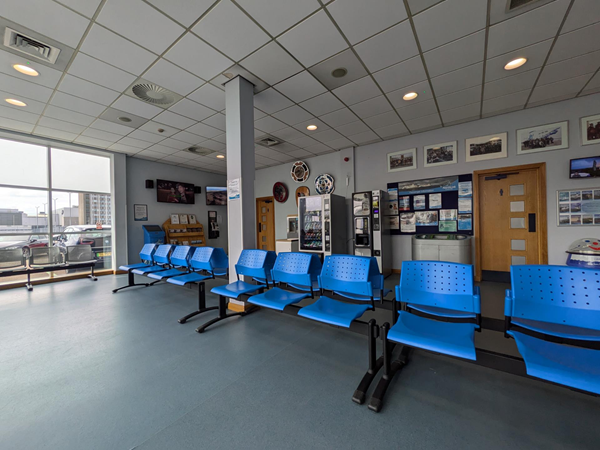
(165, 274)
(333, 312)
(133, 266)
(443, 312)
(235, 289)
(377, 294)
(571, 366)
(182, 280)
(556, 329)
(148, 269)
(277, 298)
(454, 339)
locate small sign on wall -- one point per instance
(140, 213)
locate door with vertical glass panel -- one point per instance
(265, 227)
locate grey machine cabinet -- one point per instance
(442, 247)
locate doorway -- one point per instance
(265, 223)
(510, 220)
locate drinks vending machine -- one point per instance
(371, 236)
(322, 224)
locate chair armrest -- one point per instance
(508, 303)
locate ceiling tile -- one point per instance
(499, 9)
(394, 130)
(105, 125)
(319, 149)
(149, 154)
(147, 136)
(509, 85)
(416, 6)
(171, 77)
(84, 89)
(228, 29)
(321, 126)
(216, 121)
(108, 47)
(593, 85)
(49, 122)
(210, 96)
(66, 26)
(17, 125)
(121, 148)
(460, 98)
(56, 134)
(221, 138)
(221, 80)
(424, 123)
(582, 13)
(570, 68)
(104, 135)
(326, 136)
(322, 104)
(458, 80)
(202, 129)
(422, 89)
(173, 143)
(359, 19)
(534, 26)
(358, 91)
(352, 128)
(340, 117)
(185, 12)
(460, 53)
(33, 106)
(346, 60)
(191, 109)
(292, 115)
(365, 137)
(153, 127)
(93, 142)
(400, 75)
(188, 138)
(575, 43)
(271, 101)
(213, 145)
(47, 77)
(300, 154)
(462, 113)
(507, 102)
(304, 141)
(98, 72)
(341, 143)
(372, 107)
(535, 54)
(288, 134)
(19, 87)
(114, 115)
(417, 110)
(383, 120)
(174, 120)
(313, 40)
(137, 107)
(68, 116)
(85, 7)
(23, 116)
(198, 57)
(563, 88)
(269, 124)
(301, 87)
(77, 104)
(390, 47)
(272, 63)
(448, 21)
(125, 17)
(278, 15)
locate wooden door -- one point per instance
(265, 223)
(510, 220)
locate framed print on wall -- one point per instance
(590, 130)
(440, 154)
(541, 138)
(482, 148)
(402, 160)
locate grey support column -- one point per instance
(241, 221)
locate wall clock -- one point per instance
(324, 184)
(280, 192)
(300, 171)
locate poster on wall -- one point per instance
(426, 218)
(402, 160)
(430, 185)
(465, 222)
(465, 189)
(408, 222)
(447, 226)
(440, 154)
(435, 201)
(578, 207)
(419, 202)
(140, 213)
(393, 223)
(447, 214)
(482, 148)
(590, 130)
(553, 136)
(404, 203)
(465, 205)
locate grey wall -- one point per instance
(139, 170)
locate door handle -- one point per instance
(259, 228)
(532, 223)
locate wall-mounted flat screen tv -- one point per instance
(216, 195)
(174, 192)
(585, 167)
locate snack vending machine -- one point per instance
(322, 224)
(371, 236)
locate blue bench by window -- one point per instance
(254, 264)
(147, 257)
(553, 313)
(441, 312)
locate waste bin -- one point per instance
(442, 247)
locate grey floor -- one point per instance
(81, 368)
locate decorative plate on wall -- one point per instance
(324, 184)
(300, 172)
(280, 192)
(302, 191)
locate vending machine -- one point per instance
(371, 236)
(322, 224)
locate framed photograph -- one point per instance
(585, 167)
(440, 154)
(481, 148)
(192, 218)
(553, 136)
(578, 208)
(183, 219)
(402, 160)
(590, 130)
(174, 219)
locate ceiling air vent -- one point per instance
(200, 151)
(268, 141)
(30, 46)
(514, 4)
(151, 93)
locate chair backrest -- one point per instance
(11, 258)
(296, 268)
(161, 256)
(181, 256)
(147, 252)
(555, 294)
(201, 258)
(79, 253)
(219, 262)
(45, 256)
(349, 274)
(439, 284)
(256, 263)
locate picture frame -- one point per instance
(183, 219)
(543, 138)
(590, 137)
(402, 160)
(192, 219)
(440, 154)
(174, 219)
(482, 148)
(578, 207)
(582, 168)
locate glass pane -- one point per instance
(517, 244)
(80, 172)
(263, 210)
(517, 260)
(23, 164)
(23, 211)
(14, 255)
(264, 239)
(517, 222)
(264, 218)
(86, 211)
(517, 189)
(517, 206)
(81, 246)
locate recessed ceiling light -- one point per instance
(311, 127)
(26, 70)
(125, 119)
(515, 63)
(221, 156)
(12, 101)
(410, 96)
(339, 72)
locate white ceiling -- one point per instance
(451, 52)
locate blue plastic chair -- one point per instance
(160, 258)
(553, 313)
(147, 257)
(297, 270)
(442, 311)
(180, 259)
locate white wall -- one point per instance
(140, 170)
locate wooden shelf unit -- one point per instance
(193, 238)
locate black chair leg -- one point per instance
(201, 304)
(28, 285)
(131, 280)
(223, 314)
(92, 275)
(374, 365)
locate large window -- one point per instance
(55, 198)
